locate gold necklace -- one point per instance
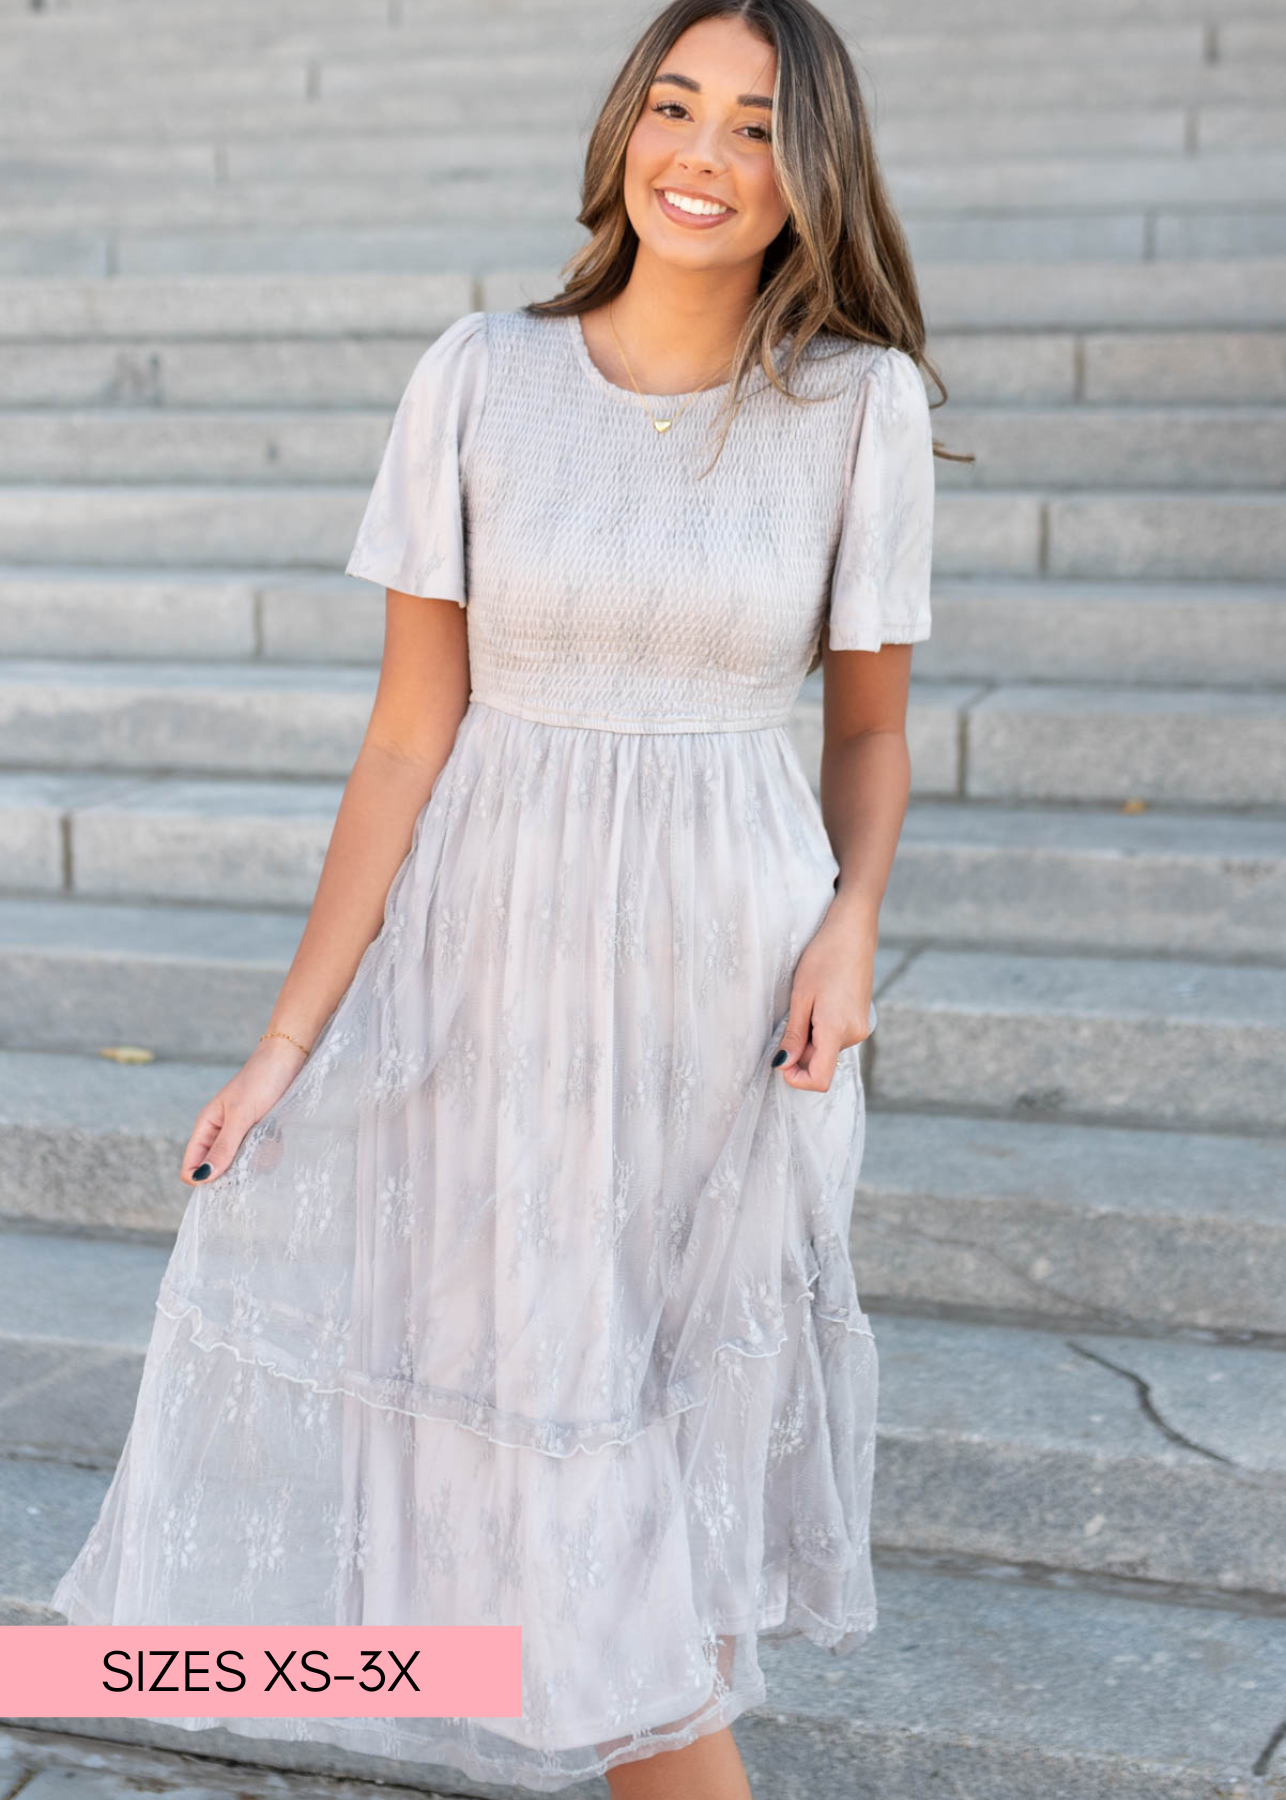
(661, 425)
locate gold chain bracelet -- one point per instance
(288, 1038)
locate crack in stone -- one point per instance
(1075, 1302)
(1265, 1757)
(1144, 1390)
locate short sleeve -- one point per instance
(880, 579)
(412, 534)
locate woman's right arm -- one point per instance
(422, 695)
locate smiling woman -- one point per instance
(517, 1287)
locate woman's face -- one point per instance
(700, 189)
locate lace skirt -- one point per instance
(530, 1303)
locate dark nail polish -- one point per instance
(201, 1174)
(779, 1059)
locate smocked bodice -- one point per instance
(612, 582)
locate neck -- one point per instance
(678, 325)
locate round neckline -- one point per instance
(580, 350)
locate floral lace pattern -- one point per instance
(531, 1301)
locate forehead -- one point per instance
(724, 56)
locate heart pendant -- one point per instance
(663, 424)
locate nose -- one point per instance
(701, 154)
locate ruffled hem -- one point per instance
(546, 1436)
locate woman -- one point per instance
(517, 1289)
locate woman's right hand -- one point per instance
(223, 1122)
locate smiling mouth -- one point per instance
(688, 206)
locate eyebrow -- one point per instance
(694, 87)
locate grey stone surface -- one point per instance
(1178, 745)
(193, 982)
(72, 1290)
(87, 1143)
(1163, 1230)
(58, 1766)
(1116, 1455)
(48, 1508)
(173, 445)
(341, 621)
(65, 1402)
(1149, 633)
(262, 720)
(967, 1682)
(1218, 368)
(33, 813)
(1174, 1043)
(90, 612)
(1118, 447)
(204, 306)
(1201, 537)
(986, 533)
(154, 372)
(198, 524)
(233, 843)
(1151, 882)
(1239, 127)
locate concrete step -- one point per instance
(1146, 534)
(1179, 183)
(1073, 1224)
(1050, 741)
(1044, 878)
(1037, 742)
(987, 1681)
(250, 718)
(1205, 448)
(87, 1143)
(1222, 370)
(1193, 884)
(326, 251)
(229, 843)
(907, 140)
(1183, 1044)
(194, 982)
(1181, 633)
(264, 719)
(1176, 746)
(969, 298)
(329, 92)
(54, 1765)
(201, 615)
(1100, 1453)
(1146, 633)
(525, 46)
(1077, 1224)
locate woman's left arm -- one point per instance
(864, 787)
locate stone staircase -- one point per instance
(225, 238)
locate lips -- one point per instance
(698, 219)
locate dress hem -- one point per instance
(205, 1337)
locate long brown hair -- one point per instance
(841, 261)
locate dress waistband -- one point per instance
(584, 721)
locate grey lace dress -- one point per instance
(531, 1301)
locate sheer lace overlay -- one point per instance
(531, 1301)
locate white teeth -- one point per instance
(686, 203)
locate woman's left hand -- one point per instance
(830, 1000)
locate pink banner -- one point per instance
(261, 1671)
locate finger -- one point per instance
(816, 1068)
(208, 1124)
(221, 1152)
(794, 1037)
